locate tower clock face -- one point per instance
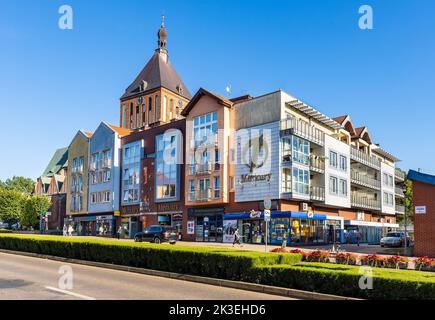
(139, 100)
(180, 103)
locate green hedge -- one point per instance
(343, 280)
(212, 262)
(283, 270)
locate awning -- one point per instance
(275, 214)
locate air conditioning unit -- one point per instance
(303, 206)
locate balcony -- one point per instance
(192, 196)
(399, 175)
(364, 180)
(317, 164)
(400, 209)
(399, 192)
(317, 193)
(205, 168)
(363, 202)
(302, 130)
(364, 158)
(203, 195)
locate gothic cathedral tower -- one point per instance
(157, 95)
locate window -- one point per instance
(216, 160)
(343, 163)
(192, 190)
(73, 184)
(217, 187)
(74, 165)
(137, 117)
(390, 181)
(204, 189)
(143, 115)
(150, 110)
(80, 184)
(106, 196)
(167, 175)
(157, 108)
(79, 203)
(301, 150)
(93, 197)
(131, 171)
(333, 162)
(95, 161)
(286, 180)
(81, 164)
(286, 149)
(107, 158)
(333, 185)
(301, 181)
(131, 115)
(388, 199)
(107, 175)
(343, 187)
(231, 183)
(205, 128)
(124, 116)
(171, 108)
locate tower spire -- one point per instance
(161, 35)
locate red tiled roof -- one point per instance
(340, 119)
(121, 131)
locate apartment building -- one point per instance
(78, 173)
(53, 183)
(157, 95)
(326, 180)
(152, 178)
(104, 182)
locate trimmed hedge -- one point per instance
(283, 270)
(211, 262)
(344, 280)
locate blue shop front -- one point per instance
(294, 227)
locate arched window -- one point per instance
(150, 110)
(157, 105)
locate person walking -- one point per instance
(65, 230)
(237, 238)
(118, 233)
(70, 230)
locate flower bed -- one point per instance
(317, 256)
(396, 262)
(346, 258)
(425, 264)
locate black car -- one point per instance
(157, 234)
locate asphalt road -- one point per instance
(27, 278)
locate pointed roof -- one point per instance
(57, 162)
(340, 119)
(204, 92)
(158, 72)
(362, 133)
(346, 123)
(121, 131)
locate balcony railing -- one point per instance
(400, 209)
(365, 180)
(364, 158)
(317, 193)
(399, 175)
(317, 164)
(203, 195)
(192, 196)
(399, 192)
(362, 201)
(303, 130)
(203, 168)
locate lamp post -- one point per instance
(405, 222)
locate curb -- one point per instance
(292, 293)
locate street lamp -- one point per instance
(405, 220)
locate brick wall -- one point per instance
(424, 224)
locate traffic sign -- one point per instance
(266, 215)
(267, 203)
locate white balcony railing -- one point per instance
(203, 168)
(317, 193)
(399, 192)
(365, 180)
(317, 164)
(400, 209)
(399, 175)
(365, 159)
(303, 130)
(203, 195)
(364, 202)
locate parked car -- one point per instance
(394, 239)
(3, 225)
(157, 234)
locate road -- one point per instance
(28, 278)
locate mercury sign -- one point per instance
(420, 209)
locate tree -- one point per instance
(33, 207)
(11, 202)
(22, 184)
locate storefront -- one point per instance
(366, 231)
(294, 227)
(208, 224)
(103, 226)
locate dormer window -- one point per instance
(143, 85)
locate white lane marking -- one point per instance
(70, 293)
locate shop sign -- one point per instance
(117, 213)
(206, 219)
(127, 210)
(310, 215)
(177, 217)
(102, 218)
(190, 227)
(255, 214)
(245, 178)
(166, 207)
(266, 215)
(420, 209)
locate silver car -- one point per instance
(394, 239)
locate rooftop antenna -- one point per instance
(228, 90)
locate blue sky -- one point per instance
(54, 82)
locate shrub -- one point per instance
(396, 262)
(425, 263)
(317, 256)
(302, 253)
(345, 258)
(279, 250)
(373, 260)
(212, 262)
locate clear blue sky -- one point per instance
(54, 82)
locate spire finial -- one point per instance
(163, 20)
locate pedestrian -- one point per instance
(358, 236)
(237, 238)
(65, 230)
(118, 234)
(70, 230)
(100, 230)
